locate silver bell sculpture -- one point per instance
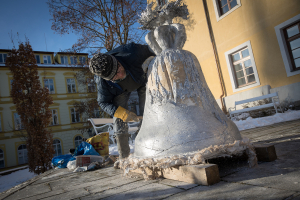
(182, 122)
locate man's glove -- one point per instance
(125, 115)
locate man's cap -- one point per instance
(104, 65)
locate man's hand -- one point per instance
(125, 115)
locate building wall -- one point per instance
(65, 131)
(253, 22)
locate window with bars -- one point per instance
(47, 59)
(71, 85)
(54, 120)
(37, 57)
(49, 83)
(57, 147)
(73, 60)
(64, 60)
(78, 140)
(243, 69)
(226, 5)
(2, 164)
(292, 37)
(75, 116)
(3, 57)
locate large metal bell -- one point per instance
(181, 115)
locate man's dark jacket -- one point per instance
(131, 56)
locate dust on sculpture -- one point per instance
(182, 122)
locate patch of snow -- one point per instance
(15, 178)
(113, 148)
(264, 121)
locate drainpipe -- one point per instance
(213, 43)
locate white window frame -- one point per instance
(218, 12)
(2, 159)
(230, 66)
(54, 115)
(73, 60)
(55, 147)
(71, 83)
(76, 114)
(77, 141)
(64, 60)
(37, 60)
(2, 56)
(283, 47)
(18, 122)
(48, 59)
(48, 85)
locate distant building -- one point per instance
(57, 74)
(257, 47)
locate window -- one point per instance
(56, 147)
(75, 115)
(73, 60)
(38, 61)
(288, 36)
(22, 154)
(71, 85)
(162, 2)
(78, 140)
(225, 7)
(241, 67)
(54, 120)
(3, 57)
(91, 85)
(2, 164)
(82, 60)
(292, 36)
(47, 59)
(50, 85)
(96, 113)
(64, 60)
(18, 123)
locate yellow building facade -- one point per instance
(59, 77)
(253, 44)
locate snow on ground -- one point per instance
(15, 178)
(264, 121)
(113, 148)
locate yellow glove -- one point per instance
(125, 115)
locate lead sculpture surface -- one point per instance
(182, 122)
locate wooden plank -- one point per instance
(98, 121)
(265, 152)
(252, 108)
(203, 174)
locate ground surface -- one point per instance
(279, 179)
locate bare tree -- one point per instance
(32, 105)
(102, 24)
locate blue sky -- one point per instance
(30, 18)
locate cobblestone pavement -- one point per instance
(279, 179)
